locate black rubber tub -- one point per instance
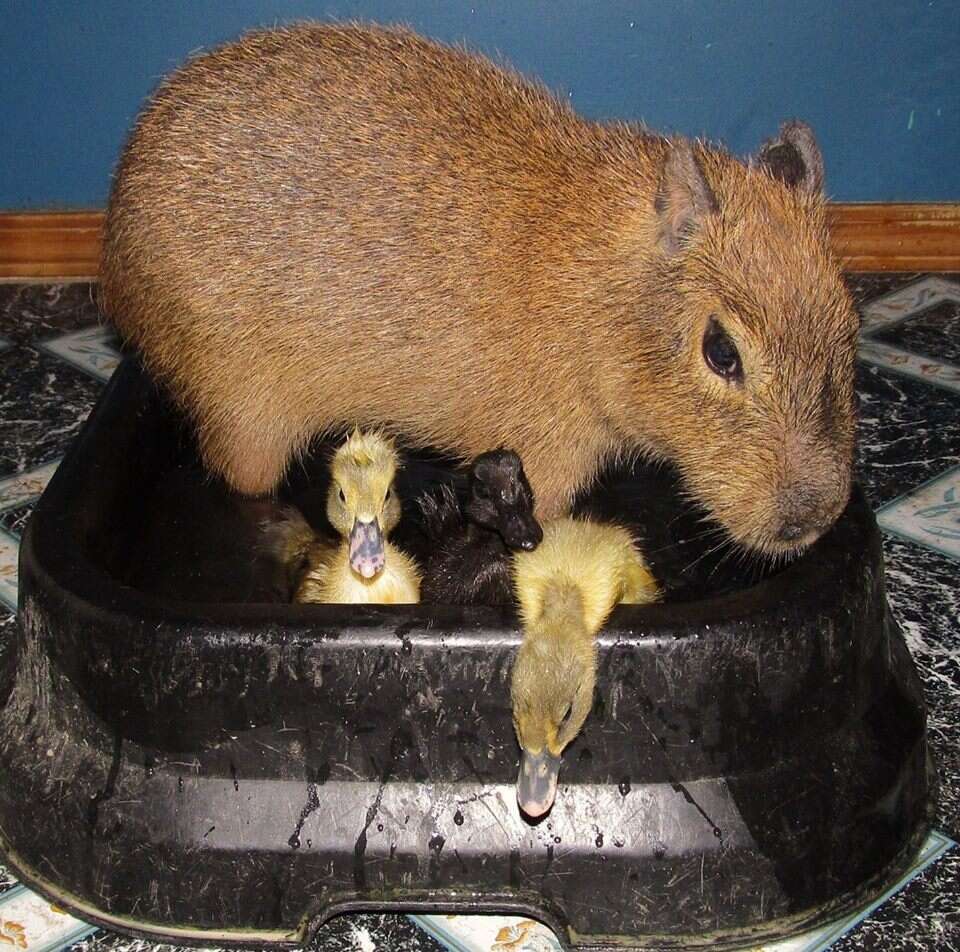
(186, 757)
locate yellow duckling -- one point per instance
(362, 506)
(566, 589)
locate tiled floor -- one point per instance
(54, 359)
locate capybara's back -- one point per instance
(330, 225)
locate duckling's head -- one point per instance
(501, 499)
(551, 689)
(362, 504)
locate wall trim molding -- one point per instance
(888, 236)
(50, 244)
(868, 237)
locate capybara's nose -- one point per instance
(790, 532)
(804, 513)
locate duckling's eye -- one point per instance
(720, 353)
(342, 497)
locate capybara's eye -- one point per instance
(721, 353)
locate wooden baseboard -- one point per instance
(868, 237)
(897, 237)
(50, 244)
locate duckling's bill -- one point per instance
(367, 556)
(537, 782)
(522, 532)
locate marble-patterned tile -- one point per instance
(865, 286)
(934, 333)
(903, 317)
(928, 370)
(909, 432)
(95, 350)
(9, 554)
(31, 924)
(43, 404)
(907, 302)
(925, 600)
(929, 515)
(33, 311)
(23, 488)
(490, 933)
(7, 880)
(14, 521)
(361, 932)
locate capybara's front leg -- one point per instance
(251, 454)
(557, 472)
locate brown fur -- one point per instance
(327, 225)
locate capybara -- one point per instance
(327, 225)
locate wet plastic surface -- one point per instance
(181, 755)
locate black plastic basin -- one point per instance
(186, 757)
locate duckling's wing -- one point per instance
(288, 539)
(315, 582)
(639, 585)
(287, 536)
(442, 515)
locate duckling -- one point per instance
(362, 506)
(565, 590)
(470, 547)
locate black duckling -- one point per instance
(470, 546)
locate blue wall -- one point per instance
(879, 81)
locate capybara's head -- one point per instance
(755, 362)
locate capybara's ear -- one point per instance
(684, 198)
(794, 157)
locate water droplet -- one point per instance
(624, 786)
(599, 840)
(556, 839)
(458, 818)
(294, 842)
(379, 827)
